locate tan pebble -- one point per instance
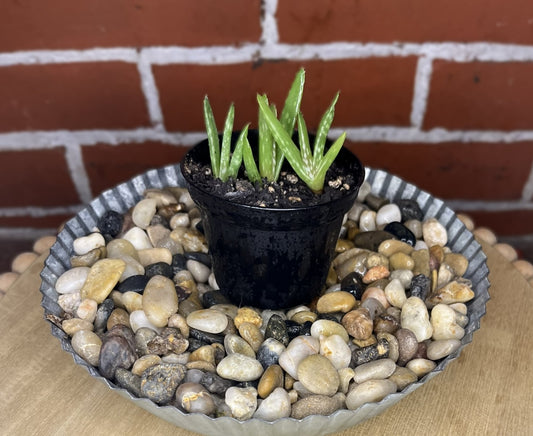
(289, 382)
(145, 362)
(132, 301)
(88, 259)
(466, 220)
(271, 379)
(191, 239)
(345, 377)
(506, 251)
(392, 246)
(485, 235)
(403, 377)
(121, 247)
(401, 261)
(118, 316)
(331, 279)
(327, 383)
(376, 273)
(7, 279)
(116, 296)
(102, 278)
(69, 302)
(457, 262)
(87, 310)
(453, 292)
(394, 350)
(180, 322)
(377, 293)
(71, 326)
(421, 366)
(343, 245)
(358, 323)
(339, 301)
(325, 327)
(154, 255)
(524, 267)
(22, 262)
(87, 344)
(421, 259)
(376, 259)
(343, 257)
(202, 365)
(227, 309)
(247, 314)
(357, 263)
(434, 233)
(251, 334)
(205, 353)
(43, 244)
(159, 300)
(365, 342)
(304, 316)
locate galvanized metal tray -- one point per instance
(126, 195)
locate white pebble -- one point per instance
(443, 320)
(403, 275)
(87, 344)
(199, 271)
(364, 190)
(438, 349)
(88, 243)
(336, 350)
(420, 245)
(180, 220)
(69, 302)
(208, 320)
(388, 214)
(277, 405)
(421, 367)
(377, 370)
(415, 317)
(367, 221)
(87, 310)
(395, 293)
(212, 281)
(239, 367)
(138, 319)
(434, 233)
(138, 238)
(143, 212)
(355, 212)
(242, 402)
(298, 349)
(369, 392)
(72, 280)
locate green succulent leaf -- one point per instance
(322, 131)
(236, 157)
(249, 162)
(212, 137)
(226, 144)
(267, 148)
(303, 138)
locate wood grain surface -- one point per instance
(488, 390)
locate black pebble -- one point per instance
(179, 263)
(293, 329)
(110, 223)
(215, 384)
(207, 338)
(277, 329)
(159, 220)
(401, 232)
(135, 283)
(102, 314)
(199, 257)
(410, 210)
(210, 298)
(353, 284)
(159, 269)
(420, 286)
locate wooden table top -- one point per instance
(487, 390)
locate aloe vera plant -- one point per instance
(275, 142)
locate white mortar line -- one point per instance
(269, 24)
(25, 233)
(77, 172)
(270, 49)
(150, 91)
(527, 191)
(488, 206)
(68, 56)
(424, 69)
(38, 212)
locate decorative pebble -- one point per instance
(367, 221)
(415, 317)
(434, 233)
(110, 223)
(87, 344)
(439, 349)
(194, 398)
(72, 325)
(87, 243)
(403, 377)
(208, 320)
(87, 310)
(388, 214)
(251, 334)
(410, 210)
(316, 405)
(443, 323)
(117, 248)
(310, 366)
(377, 370)
(72, 280)
(277, 329)
(358, 324)
(145, 362)
(395, 293)
(159, 382)
(325, 327)
(336, 350)
(421, 366)
(299, 348)
(269, 352)
(239, 368)
(159, 300)
(102, 278)
(138, 320)
(247, 314)
(369, 392)
(138, 238)
(271, 379)
(199, 271)
(453, 292)
(401, 232)
(340, 301)
(143, 212)
(277, 405)
(149, 256)
(235, 344)
(242, 402)
(116, 352)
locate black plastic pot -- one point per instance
(266, 257)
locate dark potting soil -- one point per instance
(289, 191)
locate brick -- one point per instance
(506, 222)
(62, 24)
(103, 95)
(35, 178)
(109, 165)
(320, 21)
(375, 91)
(480, 95)
(34, 222)
(468, 171)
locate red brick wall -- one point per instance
(93, 93)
